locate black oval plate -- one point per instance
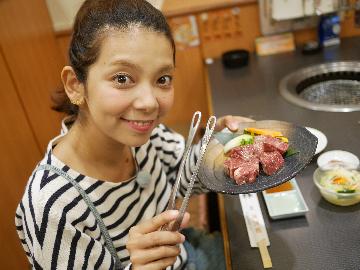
(214, 178)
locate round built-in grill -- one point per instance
(326, 87)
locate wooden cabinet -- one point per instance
(228, 29)
(189, 83)
(19, 156)
(30, 63)
(33, 59)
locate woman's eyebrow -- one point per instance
(121, 62)
(125, 63)
(167, 68)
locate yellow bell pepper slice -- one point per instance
(283, 139)
(258, 131)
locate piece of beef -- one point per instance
(243, 162)
(271, 144)
(231, 164)
(246, 172)
(244, 152)
(258, 145)
(271, 162)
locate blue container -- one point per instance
(329, 30)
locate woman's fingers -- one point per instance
(157, 265)
(150, 248)
(143, 257)
(231, 122)
(155, 223)
(185, 221)
(157, 238)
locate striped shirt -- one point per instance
(56, 227)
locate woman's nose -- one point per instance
(146, 99)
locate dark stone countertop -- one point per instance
(328, 237)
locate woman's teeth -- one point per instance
(141, 123)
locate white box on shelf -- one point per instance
(309, 7)
(286, 10)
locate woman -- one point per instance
(98, 198)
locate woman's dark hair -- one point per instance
(91, 23)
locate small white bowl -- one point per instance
(322, 140)
(338, 157)
(342, 199)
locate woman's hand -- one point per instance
(231, 122)
(151, 249)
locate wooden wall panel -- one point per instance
(63, 42)
(305, 35)
(227, 29)
(19, 156)
(189, 82)
(34, 60)
(30, 66)
(190, 91)
(348, 28)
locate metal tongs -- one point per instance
(175, 226)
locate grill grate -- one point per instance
(333, 92)
(329, 87)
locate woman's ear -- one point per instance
(74, 89)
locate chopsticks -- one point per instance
(255, 226)
(264, 253)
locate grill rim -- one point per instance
(288, 85)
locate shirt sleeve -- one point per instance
(171, 152)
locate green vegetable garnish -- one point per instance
(290, 152)
(346, 191)
(237, 141)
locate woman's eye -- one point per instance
(123, 79)
(165, 81)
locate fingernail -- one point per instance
(233, 126)
(182, 238)
(174, 213)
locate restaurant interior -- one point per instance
(291, 66)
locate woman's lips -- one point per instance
(140, 125)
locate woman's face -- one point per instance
(130, 87)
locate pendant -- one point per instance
(143, 179)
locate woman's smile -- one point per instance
(140, 125)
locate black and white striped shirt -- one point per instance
(56, 227)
